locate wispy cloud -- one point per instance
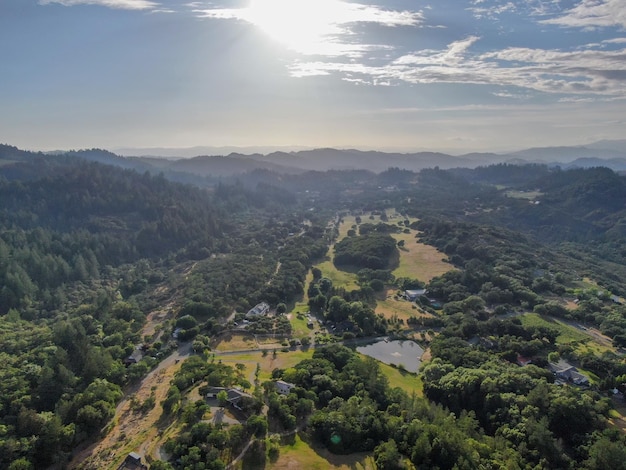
(591, 14)
(119, 4)
(482, 10)
(589, 73)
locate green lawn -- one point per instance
(581, 341)
(268, 363)
(567, 334)
(405, 380)
(299, 325)
(299, 454)
(343, 279)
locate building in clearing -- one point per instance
(133, 462)
(233, 395)
(412, 294)
(258, 310)
(283, 387)
(565, 372)
(213, 391)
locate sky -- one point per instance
(447, 75)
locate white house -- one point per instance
(284, 387)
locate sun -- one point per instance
(305, 26)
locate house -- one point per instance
(258, 310)
(523, 361)
(565, 372)
(132, 462)
(283, 387)
(412, 294)
(234, 396)
(134, 358)
(213, 391)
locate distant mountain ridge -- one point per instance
(611, 154)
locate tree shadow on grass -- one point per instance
(353, 461)
(347, 268)
(255, 458)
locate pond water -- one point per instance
(407, 353)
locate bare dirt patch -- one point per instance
(132, 430)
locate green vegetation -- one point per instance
(370, 250)
(340, 278)
(100, 266)
(567, 334)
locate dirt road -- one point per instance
(134, 430)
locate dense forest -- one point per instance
(88, 249)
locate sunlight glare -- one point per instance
(305, 26)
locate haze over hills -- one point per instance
(611, 154)
(603, 153)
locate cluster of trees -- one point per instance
(503, 415)
(278, 325)
(372, 250)
(354, 308)
(68, 374)
(265, 263)
(549, 424)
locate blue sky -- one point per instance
(448, 75)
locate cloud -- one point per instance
(592, 14)
(590, 73)
(315, 27)
(490, 11)
(119, 4)
(452, 55)
(336, 12)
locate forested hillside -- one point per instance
(83, 249)
(537, 260)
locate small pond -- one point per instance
(407, 353)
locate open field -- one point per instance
(419, 261)
(299, 324)
(405, 380)
(402, 309)
(567, 334)
(234, 342)
(300, 455)
(268, 363)
(343, 279)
